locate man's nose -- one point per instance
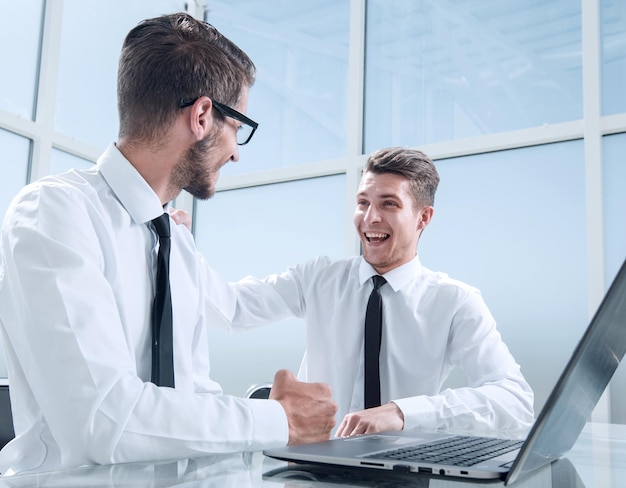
(372, 214)
(235, 156)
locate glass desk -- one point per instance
(598, 460)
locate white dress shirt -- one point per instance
(431, 323)
(76, 287)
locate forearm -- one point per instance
(504, 405)
(168, 424)
(250, 302)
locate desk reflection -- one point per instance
(598, 460)
(253, 470)
(223, 471)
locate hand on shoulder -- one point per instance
(181, 217)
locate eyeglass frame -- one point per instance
(227, 111)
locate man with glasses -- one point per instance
(103, 309)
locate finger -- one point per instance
(358, 429)
(282, 378)
(341, 430)
(181, 217)
(351, 425)
(283, 375)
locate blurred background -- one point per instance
(520, 103)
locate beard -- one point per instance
(196, 173)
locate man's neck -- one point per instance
(154, 164)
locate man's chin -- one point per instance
(371, 259)
(201, 194)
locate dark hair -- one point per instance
(414, 165)
(172, 58)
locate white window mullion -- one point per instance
(593, 169)
(46, 89)
(593, 150)
(355, 107)
(356, 76)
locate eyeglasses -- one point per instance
(244, 132)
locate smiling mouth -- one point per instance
(376, 236)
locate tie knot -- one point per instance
(162, 225)
(378, 281)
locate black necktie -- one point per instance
(373, 334)
(162, 344)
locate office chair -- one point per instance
(260, 391)
(6, 417)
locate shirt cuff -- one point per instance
(271, 428)
(418, 413)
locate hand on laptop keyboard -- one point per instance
(372, 420)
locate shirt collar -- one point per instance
(133, 192)
(397, 277)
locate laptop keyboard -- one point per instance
(454, 451)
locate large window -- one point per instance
(61, 161)
(20, 31)
(511, 223)
(17, 150)
(300, 96)
(520, 104)
(259, 231)
(90, 43)
(613, 56)
(614, 201)
(440, 72)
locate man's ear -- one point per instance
(426, 215)
(201, 117)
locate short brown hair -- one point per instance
(172, 58)
(414, 165)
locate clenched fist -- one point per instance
(309, 407)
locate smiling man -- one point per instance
(388, 220)
(430, 322)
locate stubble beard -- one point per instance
(194, 172)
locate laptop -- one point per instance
(554, 432)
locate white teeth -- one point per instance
(375, 235)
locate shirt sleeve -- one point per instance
(78, 369)
(252, 302)
(497, 396)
